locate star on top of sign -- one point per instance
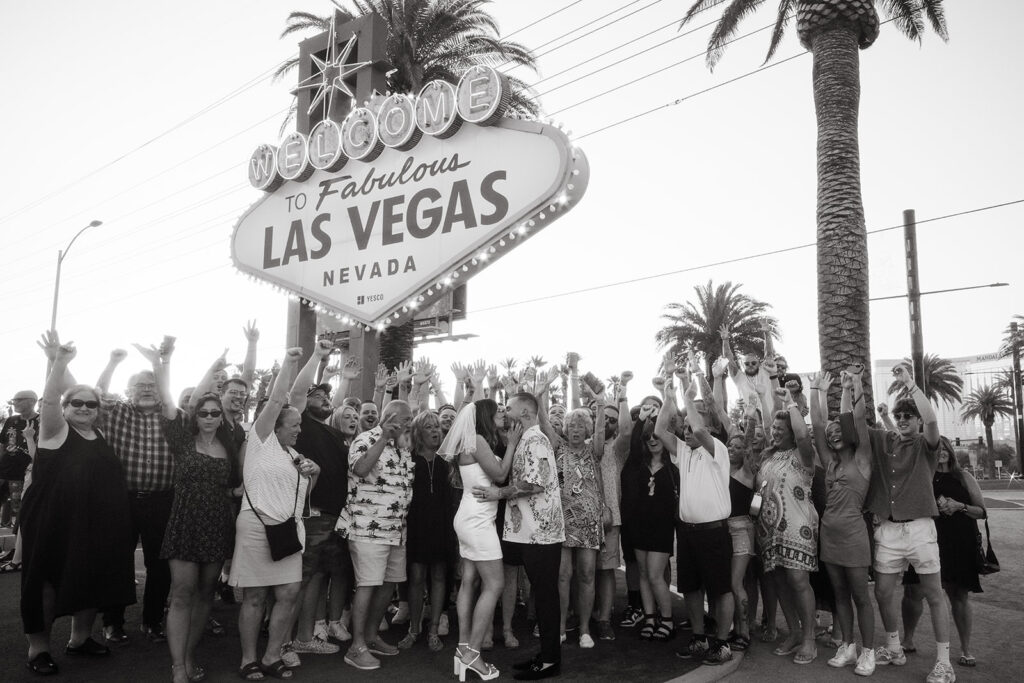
(333, 72)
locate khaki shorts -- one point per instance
(898, 545)
(375, 563)
(741, 529)
(609, 557)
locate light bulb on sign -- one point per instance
(522, 229)
(465, 269)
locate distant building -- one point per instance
(976, 371)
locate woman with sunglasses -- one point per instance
(77, 546)
(650, 507)
(200, 530)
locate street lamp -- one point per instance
(60, 259)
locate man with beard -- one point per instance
(751, 375)
(446, 414)
(134, 430)
(368, 416)
(324, 445)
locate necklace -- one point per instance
(208, 444)
(430, 470)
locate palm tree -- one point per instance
(1004, 382)
(1010, 339)
(834, 31)
(695, 324)
(941, 381)
(428, 40)
(985, 404)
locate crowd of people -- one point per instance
(327, 507)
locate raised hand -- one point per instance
(118, 355)
(626, 377)
(390, 427)
(765, 325)
(329, 372)
(572, 359)
(883, 410)
(381, 379)
(904, 375)
(719, 367)
(404, 371)
(391, 381)
(423, 370)
(252, 335)
(323, 348)
(769, 365)
(66, 352)
(152, 354)
(460, 371)
(292, 355)
(492, 376)
(49, 342)
(845, 380)
(723, 332)
(647, 411)
(658, 382)
(352, 369)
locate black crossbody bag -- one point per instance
(283, 538)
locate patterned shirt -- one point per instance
(138, 440)
(378, 503)
(537, 518)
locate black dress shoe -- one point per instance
(526, 663)
(42, 664)
(538, 671)
(89, 647)
(115, 635)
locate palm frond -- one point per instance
(986, 404)
(936, 14)
(727, 27)
(696, 9)
(906, 15)
(286, 67)
(781, 22)
(1010, 342)
(304, 21)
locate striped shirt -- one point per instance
(138, 440)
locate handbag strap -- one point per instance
(298, 485)
(988, 536)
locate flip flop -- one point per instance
(247, 671)
(276, 669)
(968, 661)
(10, 567)
(780, 652)
(801, 658)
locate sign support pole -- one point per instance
(914, 297)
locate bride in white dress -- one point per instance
(471, 443)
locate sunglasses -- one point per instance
(78, 403)
(208, 413)
(903, 416)
(751, 364)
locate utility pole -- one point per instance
(914, 297)
(1018, 425)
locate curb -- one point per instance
(708, 674)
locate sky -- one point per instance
(144, 115)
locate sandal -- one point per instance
(802, 658)
(251, 672)
(276, 669)
(409, 640)
(10, 567)
(647, 631)
(214, 627)
(198, 674)
(968, 661)
(738, 643)
(666, 630)
(434, 642)
(42, 664)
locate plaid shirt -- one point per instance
(138, 440)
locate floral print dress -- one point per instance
(787, 528)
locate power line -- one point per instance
(738, 259)
(537, 21)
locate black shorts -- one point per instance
(704, 559)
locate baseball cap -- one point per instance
(324, 387)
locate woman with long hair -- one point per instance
(77, 548)
(430, 540)
(787, 527)
(201, 528)
(961, 505)
(845, 547)
(469, 442)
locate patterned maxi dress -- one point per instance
(787, 528)
(582, 497)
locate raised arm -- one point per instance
(103, 382)
(435, 384)
(307, 375)
(598, 442)
(542, 417)
(264, 425)
(572, 359)
(883, 415)
(863, 453)
(52, 425)
(724, 333)
(160, 359)
(931, 424)
(819, 384)
(461, 373)
(350, 371)
(693, 418)
(663, 425)
(625, 419)
(380, 382)
(769, 343)
(252, 338)
(800, 435)
(205, 385)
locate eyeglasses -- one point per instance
(903, 416)
(145, 386)
(78, 403)
(208, 413)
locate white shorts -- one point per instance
(898, 545)
(375, 564)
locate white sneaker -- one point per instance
(289, 657)
(942, 672)
(586, 642)
(845, 656)
(865, 663)
(337, 630)
(442, 625)
(320, 629)
(401, 614)
(314, 647)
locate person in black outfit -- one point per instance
(76, 530)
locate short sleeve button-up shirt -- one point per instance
(138, 440)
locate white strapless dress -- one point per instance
(475, 519)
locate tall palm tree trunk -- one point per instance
(843, 330)
(990, 447)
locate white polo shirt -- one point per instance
(703, 483)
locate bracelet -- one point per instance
(773, 376)
(792, 405)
